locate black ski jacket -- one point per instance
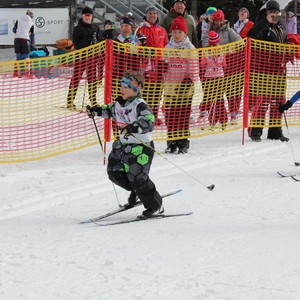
(85, 35)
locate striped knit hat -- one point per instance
(213, 38)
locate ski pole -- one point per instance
(210, 187)
(101, 146)
(84, 91)
(297, 164)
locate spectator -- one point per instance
(24, 41)
(179, 9)
(181, 78)
(153, 68)
(214, 62)
(243, 24)
(198, 29)
(232, 84)
(291, 24)
(84, 35)
(272, 92)
(206, 23)
(130, 159)
(109, 31)
(127, 35)
(220, 25)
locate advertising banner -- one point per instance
(50, 24)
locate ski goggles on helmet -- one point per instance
(131, 83)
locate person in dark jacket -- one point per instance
(272, 90)
(84, 35)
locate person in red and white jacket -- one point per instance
(243, 25)
(153, 67)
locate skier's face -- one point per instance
(129, 88)
(127, 92)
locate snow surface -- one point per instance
(242, 241)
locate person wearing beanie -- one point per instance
(291, 23)
(127, 35)
(84, 34)
(203, 27)
(213, 38)
(182, 78)
(24, 42)
(87, 10)
(271, 30)
(109, 31)
(179, 9)
(125, 58)
(243, 24)
(213, 104)
(153, 66)
(233, 89)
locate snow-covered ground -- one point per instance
(242, 241)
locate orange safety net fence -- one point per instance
(192, 93)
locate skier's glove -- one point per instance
(285, 106)
(92, 111)
(131, 128)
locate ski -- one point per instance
(287, 174)
(137, 219)
(123, 208)
(296, 177)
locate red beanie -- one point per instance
(213, 38)
(218, 15)
(179, 24)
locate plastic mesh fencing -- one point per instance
(192, 93)
(274, 78)
(34, 120)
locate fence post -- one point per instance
(246, 87)
(108, 85)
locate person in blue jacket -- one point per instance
(288, 104)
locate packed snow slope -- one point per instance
(242, 241)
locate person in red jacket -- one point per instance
(153, 66)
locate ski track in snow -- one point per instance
(242, 242)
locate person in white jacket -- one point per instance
(181, 78)
(24, 37)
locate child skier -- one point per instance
(132, 153)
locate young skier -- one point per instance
(130, 159)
